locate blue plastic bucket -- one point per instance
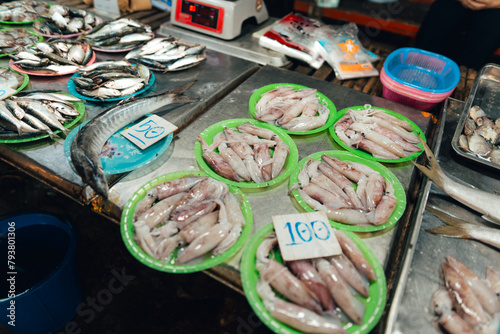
(42, 292)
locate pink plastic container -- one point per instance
(410, 96)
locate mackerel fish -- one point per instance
(87, 145)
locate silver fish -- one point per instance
(87, 145)
(482, 201)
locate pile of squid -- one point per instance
(10, 78)
(294, 110)
(168, 54)
(481, 135)
(34, 113)
(119, 34)
(244, 154)
(62, 20)
(197, 216)
(55, 56)
(111, 79)
(318, 294)
(348, 192)
(378, 133)
(467, 303)
(22, 11)
(15, 40)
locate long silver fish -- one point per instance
(458, 228)
(87, 145)
(481, 201)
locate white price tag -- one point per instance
(5, 92)
(305, 236)
(149, 131)
(108, 6)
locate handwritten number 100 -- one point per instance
(306, 232)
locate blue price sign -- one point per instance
(149, 131)
(305, 236)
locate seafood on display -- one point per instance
(15, 40)
(294, 110)
(466, 303)
(196, 215)
(55, 56)
(168, 54)
(10, 78)
(481, 201)
(62, 20)
(35, 113)
(244, 153)
(348, 192)
(111, 79)
(88, 143)
(481, 135)
(119, 34)
(22, 11)
(317, 293)
(378, 133)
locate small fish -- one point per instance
(482, 201)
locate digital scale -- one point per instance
(219, 18)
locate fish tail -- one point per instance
(450, 231)
(184, 99)
(434, 171)
(181, 89)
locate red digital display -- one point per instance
(192, 8)
(199, 14)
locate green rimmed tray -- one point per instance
(323, 99)
(209, 133)
(375, 303)
(79, 106)
(367, 155)
(40, 38)
(127, 230)
(399, 191)
(25, 82)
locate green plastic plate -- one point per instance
(367, 155)
(322, 99)
(375, 303)
(399, 191)
(127, 230)
(25, 80)
(79, 106)
(40, 38)
(209, 133)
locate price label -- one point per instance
(149, 131)
(5, 92)
(305, 236)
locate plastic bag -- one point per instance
(341, 48)
(295, 36)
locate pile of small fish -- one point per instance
(10, 78)
(119, 34)
(467, 303)
(34, 113)
(15, 40)
(348, 192)
(196, 215)
(245, 155)
(22, 11)
(62, 20)
(378, 133)
(294, 110)
(111, 79)
(317, 293)
(481, 135)
(168, 54)
(54, 56)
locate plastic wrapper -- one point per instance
(340, 47)
(295, 36)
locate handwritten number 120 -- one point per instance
(306, 232)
